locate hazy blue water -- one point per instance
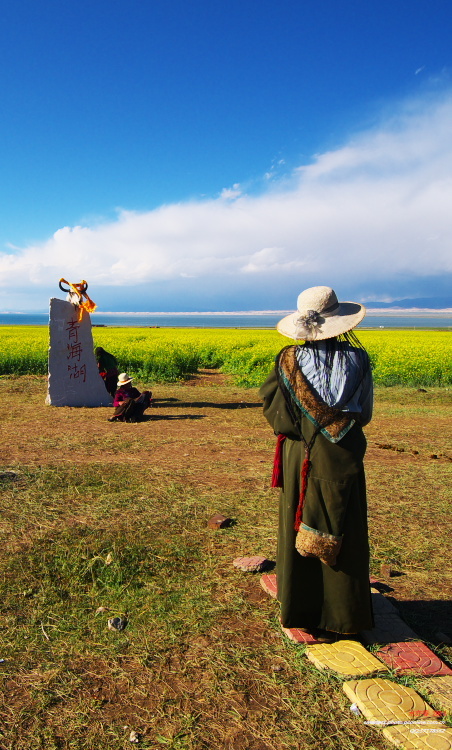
(263, 320)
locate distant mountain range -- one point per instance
(424, 303)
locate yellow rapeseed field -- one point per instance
(399, 357)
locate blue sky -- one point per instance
(224, 156)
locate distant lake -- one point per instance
(261, 320)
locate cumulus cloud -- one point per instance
(231, 193)
(368, 215)
(271, 259)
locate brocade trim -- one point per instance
(333, 423)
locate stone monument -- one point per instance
(73, 378)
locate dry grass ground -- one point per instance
(110, 519)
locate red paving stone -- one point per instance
(218, 521)
(268, 583)
(413, 656)
(253, 564)
(299, 636)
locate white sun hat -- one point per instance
(320, 316)
(123, 378)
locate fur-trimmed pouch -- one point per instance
(312, 543)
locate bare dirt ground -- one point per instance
(206, 410)
(208, 433)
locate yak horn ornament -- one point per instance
(77, 294)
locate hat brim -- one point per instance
(347, 318)
(124, 382)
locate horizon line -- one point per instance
(369, 311)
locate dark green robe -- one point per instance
(312, 594)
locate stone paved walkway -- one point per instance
(403, 716)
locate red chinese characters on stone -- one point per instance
(75, 351)
(77, 372)
(72, 329)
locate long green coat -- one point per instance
(312, 594)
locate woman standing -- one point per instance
(108, 369)
(317, 399)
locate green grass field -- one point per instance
(410, 358)
(102, 520)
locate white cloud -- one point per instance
(376, 209)
(271, 259)
(231, 193)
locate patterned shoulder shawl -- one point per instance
(301, 399)
(333, 424)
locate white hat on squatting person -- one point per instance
(123, 379)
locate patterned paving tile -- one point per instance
(346, 657)
(434, 736)
(268, 583)
(440, 689)
(389, 628)
(413, 656)
(385, 702)
(299, 636)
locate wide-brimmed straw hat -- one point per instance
(123, 379)
(320, 316)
